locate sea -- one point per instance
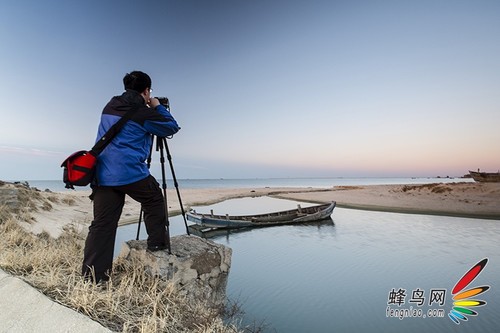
(360, 271)
(58, 185)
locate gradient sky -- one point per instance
(260, 88)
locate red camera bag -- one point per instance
(79, 169)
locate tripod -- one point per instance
(162, 147)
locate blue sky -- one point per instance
(260, 88)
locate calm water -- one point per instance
(337, 276)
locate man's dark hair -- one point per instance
(137, 81)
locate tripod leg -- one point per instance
(159, 146)
(139, 224)
(169, 157)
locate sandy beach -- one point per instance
(477, 200)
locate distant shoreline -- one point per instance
(57, 185)
(464, 199)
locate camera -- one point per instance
(164, 101)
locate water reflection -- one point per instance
(336, 276)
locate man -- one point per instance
(121, 170)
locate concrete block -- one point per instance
(198, 267)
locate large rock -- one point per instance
(198, 267)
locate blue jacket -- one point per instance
(123, 161)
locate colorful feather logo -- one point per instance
(462, 300)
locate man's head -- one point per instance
(138, 81)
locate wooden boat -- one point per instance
(489, 177)
(299, 215)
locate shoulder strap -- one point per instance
(106, 139)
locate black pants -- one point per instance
(108, 205)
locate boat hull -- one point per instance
(300, 215)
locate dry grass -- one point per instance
(46, 206)
(30, 200)
(53, 199)
(5, 213)
(347, 187)
(434, 188)
(68, 201)
(131, 302)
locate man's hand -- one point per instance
(153, 102)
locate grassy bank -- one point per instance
(131, 302)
